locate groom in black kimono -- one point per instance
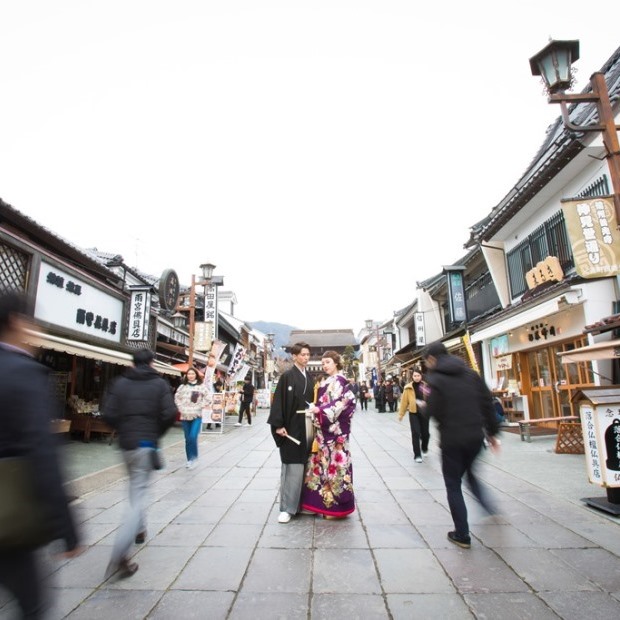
(294, 393)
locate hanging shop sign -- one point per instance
(67, 301)
(420, 334)
(595, 241)
(241, 373)
(548, 270)
(211, 309)
(169, 290)
(203, 335)
(504, 362)
(139, 313)
(237, 360)
(456, 293)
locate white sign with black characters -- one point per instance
(420, 333)
(211, 315)
(139, 312)
(68, 301)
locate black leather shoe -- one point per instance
(461, 541)
(140, 538)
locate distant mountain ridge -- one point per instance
(282, 334)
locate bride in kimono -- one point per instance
(328, 481)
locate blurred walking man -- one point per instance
(462, 404)
(140, 406)
(26, 411)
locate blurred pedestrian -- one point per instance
(462, 405)
(140, 406)
(189, 399)
(26, 411)
(293, 396)
(247, 398)
(398, 392)
(379, 396)
(355, 388)
(389, 395)
(364, 395)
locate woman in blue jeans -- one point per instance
(189, 399)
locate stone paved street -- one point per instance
(215, 550)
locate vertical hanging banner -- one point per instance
(139, 312)
(241, 373)
(456, 293)
(211, 309)
(473, 362)
(237, 360)
(217, 349)
(420, 333)
(593, 235)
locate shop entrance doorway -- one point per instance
(551, 383)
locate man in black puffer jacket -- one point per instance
(26, 411)
(462, 405)
(140, 406)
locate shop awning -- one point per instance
(166, 369)
(522, 316)
(90, 351)
(609, 349)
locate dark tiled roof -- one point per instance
(105, 257)
(607, 324)
(44, 237)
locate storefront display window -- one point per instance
(553, 383)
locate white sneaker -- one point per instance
(418, 459)
(192, 464)
(284, 517)
(238, 424)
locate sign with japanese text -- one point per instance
(237, 360)
(600, 426)
(139, 312)
(548, 270)
(595, 241)
(211, 315)
(68, 301)
(456, 294)
(503, 362)
(203, 335)
(420, 333)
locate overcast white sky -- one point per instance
(326, 155)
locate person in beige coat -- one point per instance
(413, 401)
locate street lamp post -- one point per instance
(370, 326)
(553, 64)
(207, 275)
